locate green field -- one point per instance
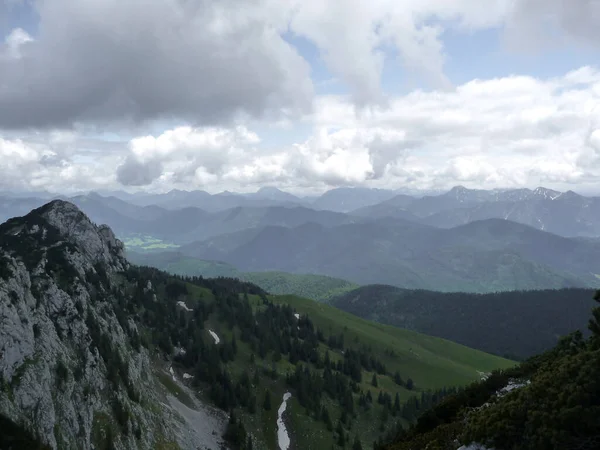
(317, 287)
(143, 243)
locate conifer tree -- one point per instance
(267, 401)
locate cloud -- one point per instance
(507, 132)
(535, 23)
(183, 153)
(107, 60)
(355, 38)
(208, 63)
(16, 39)
(48, 161)
(512, 131)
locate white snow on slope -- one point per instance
(215, 337)
(183, 305)
(282, 435)
(187, 375)
(297, 316)
(511, 386)
(172, 373)
(483, 375)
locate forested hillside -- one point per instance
(515, 324)
(551, 401)
(342, 379)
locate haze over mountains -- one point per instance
(462, 240)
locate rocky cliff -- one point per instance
(72, 370)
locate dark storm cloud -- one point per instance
(108, 60)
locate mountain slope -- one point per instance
(519, 324)
(100, 353)
(550, 401)
(72, 370)
(484, 256)
(349, 199)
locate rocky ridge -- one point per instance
(72, 371)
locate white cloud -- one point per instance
(106, 61)
(184, 153)
(513, 131)
(218, 70)
(213, 62)
(14, 42)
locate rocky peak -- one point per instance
(58, 222)
(546, 193)
(73, 371)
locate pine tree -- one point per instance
(594, 324)
(397, 404)
(374, 381)
(341, 435)
(326, 419)
(398, 379)
(267, 401)
(357, 445)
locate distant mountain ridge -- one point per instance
(483, 256)
(564, 213)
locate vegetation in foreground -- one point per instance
(554, 404)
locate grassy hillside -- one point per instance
(329, 360)
(316, 287)
(519, 324)
(436, 362)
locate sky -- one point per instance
(303, 95)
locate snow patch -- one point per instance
(215, 337)
(483, 375)
(511, 386)
(187, 376)
(282, 435)
(172, 373)
(183, 306)
(297, 316)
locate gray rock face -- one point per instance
(53, 378)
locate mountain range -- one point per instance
(483, 256)
(462, 240)
(97, 353)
